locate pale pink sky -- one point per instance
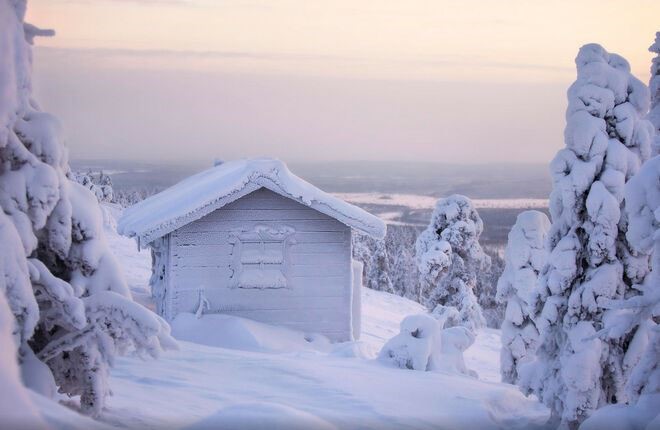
(454, 81)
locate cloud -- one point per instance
(140, 2)
(445, 62)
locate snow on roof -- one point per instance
(220, 185)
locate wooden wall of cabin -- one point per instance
(318, 292)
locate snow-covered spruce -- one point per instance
(525, 257)
(654, 88)
(389, 264)
(486, 289)
(100, 185)
(449, 258)
(73, 310)
(639, 314)
(373, 255)
(590, 261)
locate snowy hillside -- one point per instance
(325, 386)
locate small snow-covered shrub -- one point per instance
(447, 316)
(450, 258)
(417, 346)
(423, 345)
(525, 257)
(455, 340)
(591, 262)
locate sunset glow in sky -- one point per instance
(444, 66)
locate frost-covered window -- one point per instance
(260, 257)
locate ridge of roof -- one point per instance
(211, 189)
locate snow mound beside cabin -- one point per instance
(227, 331)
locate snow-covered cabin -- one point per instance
(251, 239)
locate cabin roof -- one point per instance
(204, 192)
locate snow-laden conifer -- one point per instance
(525, 257)
(638, 314)
(590, 262)
(449, 258)
(72, 308)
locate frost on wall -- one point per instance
(590, 260)
(654, 88)
(72, 308)
(525, 257)
(449, 258)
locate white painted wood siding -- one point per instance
(318, 297)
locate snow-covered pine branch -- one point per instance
(525, 257)
(58, 276)
(654, 89)
(590, 261)
(450, 258)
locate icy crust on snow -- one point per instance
(220, 185)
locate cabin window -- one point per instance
(260, 257)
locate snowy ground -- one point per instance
(327, 387)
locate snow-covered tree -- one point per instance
(590, 261)
(389, 264)
(72, 307)
(654, 88)
(400, 245)
(486, 290)
(639, 314)
(100, 185)
(372, 253)
(525, 256)
(449, 258)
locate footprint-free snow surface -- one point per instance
(321, 386)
